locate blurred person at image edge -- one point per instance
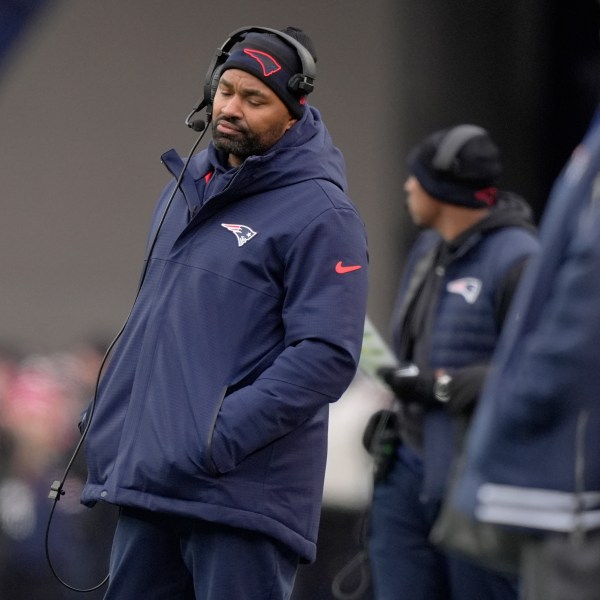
(532, 464)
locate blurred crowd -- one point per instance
(41, 397)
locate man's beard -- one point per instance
(244, 144)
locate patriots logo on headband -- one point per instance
(267, 63)
(243, 233)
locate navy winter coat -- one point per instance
(533, 453)
(474, 281)
(248, 324)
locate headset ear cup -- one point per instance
(212, 91)
(214, 83)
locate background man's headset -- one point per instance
(446, 155)
(299, 82)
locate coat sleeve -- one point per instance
(559, 358)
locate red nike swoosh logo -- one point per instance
(340, 268)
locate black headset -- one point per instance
(446, 156)
(303, 82)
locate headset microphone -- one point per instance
(198, 125)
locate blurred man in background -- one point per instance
(460, 279)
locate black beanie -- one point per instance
(466, 170)
(273, 61)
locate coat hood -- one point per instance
(511, 210)
(305, 152)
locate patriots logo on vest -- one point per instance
(243, 233)
(467, 287)
(268, 64)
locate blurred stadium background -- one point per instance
(92, 93)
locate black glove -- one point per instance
(410, 385)
(465, 389)
(380, 439)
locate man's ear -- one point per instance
(291, 122)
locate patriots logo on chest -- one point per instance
(243, 233)
(467, 287)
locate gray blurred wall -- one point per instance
(96, 91)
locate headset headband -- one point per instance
(453, 141)
(303, 82)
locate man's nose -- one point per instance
(232, 105)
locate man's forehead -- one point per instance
(238, 77)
